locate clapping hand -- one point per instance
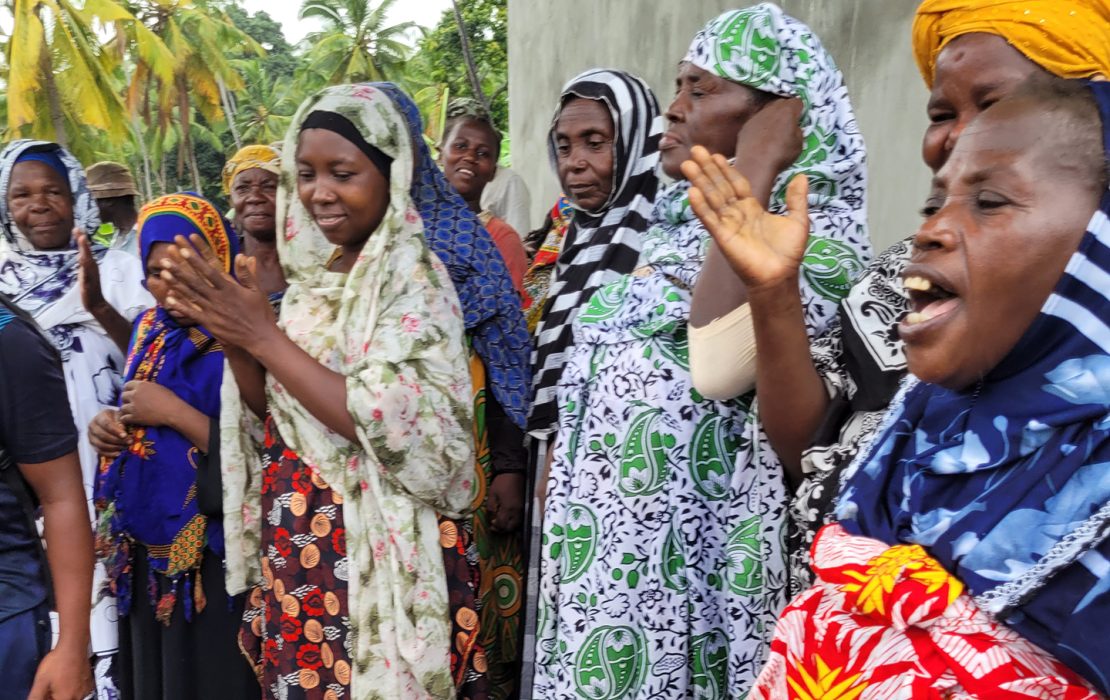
(237, 313)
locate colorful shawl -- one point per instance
(1070, 39)
(537, 281)
(1006, 483)
(147, 495)
(392, 326)
(491, 305)
(601, 245)
(889, 623)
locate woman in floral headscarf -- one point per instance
(662, 563)
(365, 389)
(969, 557)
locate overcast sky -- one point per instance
(424, 12)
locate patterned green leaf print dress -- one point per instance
(663, 560)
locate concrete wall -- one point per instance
(553, 40)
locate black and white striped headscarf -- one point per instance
(601, 245)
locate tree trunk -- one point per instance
(471, 69)
(185, 147)
(229, 112)
(162, 175)
(148, 191)
(198, 185)
(53, 97)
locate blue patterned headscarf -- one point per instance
(491, 307)
(148, 494)
(1007, 483)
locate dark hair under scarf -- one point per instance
(338, 124)
(601, 245)
(491, 306)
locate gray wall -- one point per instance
(551, 41)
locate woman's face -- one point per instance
(254, 198)
(157, 286)
(1005, 214)
(470, 158)
(41, 205)
(584, 141)
(707, 111)
(973, 72)
(341, 189)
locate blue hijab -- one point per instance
(1007, 484)
(491, 307)
(148, 495)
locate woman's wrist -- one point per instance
(773, 296)
(101, 309)
(174, 415)
(263, 343)
(73, 643)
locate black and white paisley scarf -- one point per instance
(600, 245)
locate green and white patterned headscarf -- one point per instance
(764, 48)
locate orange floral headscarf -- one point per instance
(1068, 38)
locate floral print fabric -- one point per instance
(399, 341)
(889, 623)
(663, 560)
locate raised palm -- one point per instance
(763, 249)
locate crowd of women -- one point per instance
(689, 438)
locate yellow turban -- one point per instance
(1068, 38)
(265, 158)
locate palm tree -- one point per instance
(265, 107)
(59, 69)
(197, 35)
(356, 44)
(468, 57)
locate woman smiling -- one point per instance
(364, 388)
(81, 294)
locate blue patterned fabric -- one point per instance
(1007, 483)
(491, 307)
(148, 494)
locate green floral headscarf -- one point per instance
(764, 48)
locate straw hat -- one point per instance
(108, 179)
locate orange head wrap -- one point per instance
(1068, 38)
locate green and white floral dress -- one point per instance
(663, 558)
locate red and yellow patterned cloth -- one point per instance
(537, 280)
(889, 623)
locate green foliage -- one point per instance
(169, 86)
(280, 62)
(440, 55)
(356, 44)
